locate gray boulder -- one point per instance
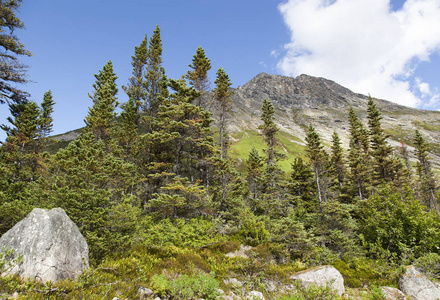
(321, 276)
(416, 285)
(51, 246)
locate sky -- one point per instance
(389, 49)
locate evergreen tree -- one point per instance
(337, 163)
(126, 131)
(381, 151)
(222, 96)
(273, 197)
(426, 177)
(198, 76)
(317, 156)
(359, 159)
(45, 120)
(101, 115)
(255, 172)
(93, 186)
(21, 147)
(303, 185)
(136, 84)
(156, 83)
(358, 133)
(12, 71)
(180, 143)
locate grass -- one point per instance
(244, 141)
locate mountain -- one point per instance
(325, 104)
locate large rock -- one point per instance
(51, 246)
(416, 285)
(321, 276)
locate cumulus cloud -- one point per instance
(363, 44)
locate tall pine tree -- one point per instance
(102, 113)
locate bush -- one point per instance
(429, 264)
(185, 286)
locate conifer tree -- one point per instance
(155, 80)
(45, 120)
(303, 185)
(222, 96)
(93, 186)
(21, 145)
(317, 156)
(337, 163)
(255, 172)
(427, 180)
(12, 70)
(136, 84)
(359, 159)
(381, 151)
(126, 132)
(198, 76)
(102, 113)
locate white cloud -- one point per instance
(362, 44)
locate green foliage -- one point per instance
(253, 231)
(191, 233)
(198, 76)
(136, 89)
(102, 113)
(312, 292)
(396, 225)
(13, 71)
(429, 264)
(91, 185)
(185, 286)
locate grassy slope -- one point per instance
(244, 141)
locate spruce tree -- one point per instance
(318, 160)
(45, 123)
(337, 163)
(21, 146)
(381, 151)
(156, 83)
(12, 70)
(102, 113)
(136, 83)
(303, 185)
(426, 177)
(222, 96)
(198, 76)
(255, 172)
(359, 159)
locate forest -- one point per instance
(154, 188)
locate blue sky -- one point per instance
(72, 40)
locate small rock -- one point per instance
(255, 295)
(157, 298)
(239, 253)
(234, 282)
(322, 276)
(15, 295)
(391, 293)
(415, 284)
(116, 298)
(145, 293)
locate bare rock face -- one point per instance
(50, 244)
(416, 285)
(321, 276)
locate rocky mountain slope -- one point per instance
(325, 104)
(321, 102)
